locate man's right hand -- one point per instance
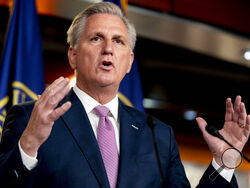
(43, 116)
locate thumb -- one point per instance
(202, 124)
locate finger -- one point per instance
(202, 125)
(229, 110)
(236, 108)
(54, 87)
(56, 93)
(59, 111)
(44, 97)
(48, 89)
(247, 128)
(242, 115)
(59, 95)
(55, 82)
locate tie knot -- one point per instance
(102, 111)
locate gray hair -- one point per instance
(75, 30)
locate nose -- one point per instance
(108, 47)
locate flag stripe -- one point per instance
(21, 68)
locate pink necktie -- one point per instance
(107, 144)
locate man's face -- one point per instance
(103, 55)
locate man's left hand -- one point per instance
(236, 129)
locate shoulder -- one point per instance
(21, 108)
(144, 118)
(18, 114)
(133, 111)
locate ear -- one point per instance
(131, 60)
(72, 57)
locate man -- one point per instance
(57, 141)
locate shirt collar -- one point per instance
(90, 103)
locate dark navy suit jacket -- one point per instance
(70, 157)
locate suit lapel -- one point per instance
(79, 126)
(129, 132)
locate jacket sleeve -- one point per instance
(176, 177)
(219, 181)
(12, 171)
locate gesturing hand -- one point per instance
(44, 113)
(236, 129)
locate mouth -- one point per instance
(107, 65)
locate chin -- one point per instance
(105, 83)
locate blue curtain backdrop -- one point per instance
(21, 68)
(130, 91)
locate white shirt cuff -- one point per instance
(225, 173)
(28, 161)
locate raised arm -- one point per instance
(44, 113)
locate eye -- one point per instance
(95, 38)
(119, 41)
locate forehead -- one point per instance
(103, 22)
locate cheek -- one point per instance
(127, 63)
(125, 68)
(91, 54)
(129, 66)
(86, 58)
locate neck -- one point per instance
(102, 95)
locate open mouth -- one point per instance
(106, 63)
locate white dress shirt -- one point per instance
(89, 104)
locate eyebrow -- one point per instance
(95, 34)
(102, 35)
(119, 37)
